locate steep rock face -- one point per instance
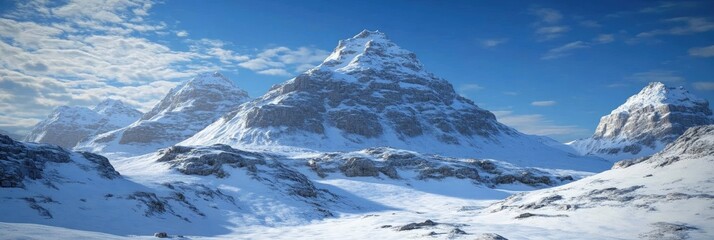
(185, 110)
(25, 161)
(368, 92)
(66, 126)
(646, 123)
(674, 186)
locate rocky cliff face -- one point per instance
(368, 92)
(66, 126)
(646, 123)
(185, 110)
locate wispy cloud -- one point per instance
(667, 6)
(469, 87)
(538, 124)
(80, 52)
(656, 76)
(489, 43)
(703, 86)
(604, 38)
(564, 50)
(707, 51)
(616, 85)
(551, 32)
(283, 58)
(548, 25)
(590, 24)
(547, 103)
(275, 72)
(686, 25)
(547, 15)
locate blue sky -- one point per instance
(549, 68)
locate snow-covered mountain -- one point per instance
(185, 110)
(370, 92)
(66, 126)
(182, 190)
(666, 196)
(645, 123)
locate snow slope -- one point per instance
(66, 126)
(370, 92)
(45, 184)
(645, 123)
(185, 110)
(666, 196)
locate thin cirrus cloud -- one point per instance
(270, 60)
(564, 50)
(548, 25)
(546, 103)
(703, 86)
(81, 52)
(684, 26)
(470, 87)
(489, 43)
(705, 52)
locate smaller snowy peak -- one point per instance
(646, 122)
(185, 110)
(66, 126)
(118, 113)
(203, 92)
(371, 50)
(657, 94)
(208, 79)
(74, 114)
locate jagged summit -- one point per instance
(371, 50)
(646, 122)
(185, 110)
(370, 92)
(657, 94)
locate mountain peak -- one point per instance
(215, 78)
(371, 50)
(371, 34)
(656, 94)
(646, 122)
(109, 106)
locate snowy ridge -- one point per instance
(667, 195)
(66, 126)
(369, 92)
(645, 123)
(185, 110)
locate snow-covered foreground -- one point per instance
(450, 207)
(218, 192)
